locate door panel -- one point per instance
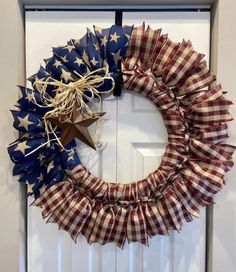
(50, 249)
(144, 145)
(133, 140)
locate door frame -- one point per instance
(15, 244)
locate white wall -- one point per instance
(224, 212)
(11, 74)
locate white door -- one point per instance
(134, 148)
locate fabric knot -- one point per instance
(186, 137)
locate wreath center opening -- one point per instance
(131, 135)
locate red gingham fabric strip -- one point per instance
(136, 226)
(202, 190)
(89, 224)
(134, 47)
(155, 180)
(58, 215)
(213, 94)
(76, 217)
(207, 151)
(103, 226)
(199, 79)
(139, 81)
(53, 197)
(213, 172)
(215, 134)
(186, 198)
(162, 97)
(48, 194)
(173, 154)
(229, 148)
(179, 66)
(149, 44)
(166, 53)
(119, 232)
(155, 223)
(174, 209)
(174, 123)
(163, 210)
(114, 192)
(189, 98)
(210, 113)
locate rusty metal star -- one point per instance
(76, 127)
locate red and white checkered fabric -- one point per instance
(192, 170)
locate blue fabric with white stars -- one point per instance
(47, 165)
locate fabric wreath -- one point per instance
(195, 112)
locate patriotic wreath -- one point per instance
(60, 107)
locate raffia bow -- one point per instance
(80, 93)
